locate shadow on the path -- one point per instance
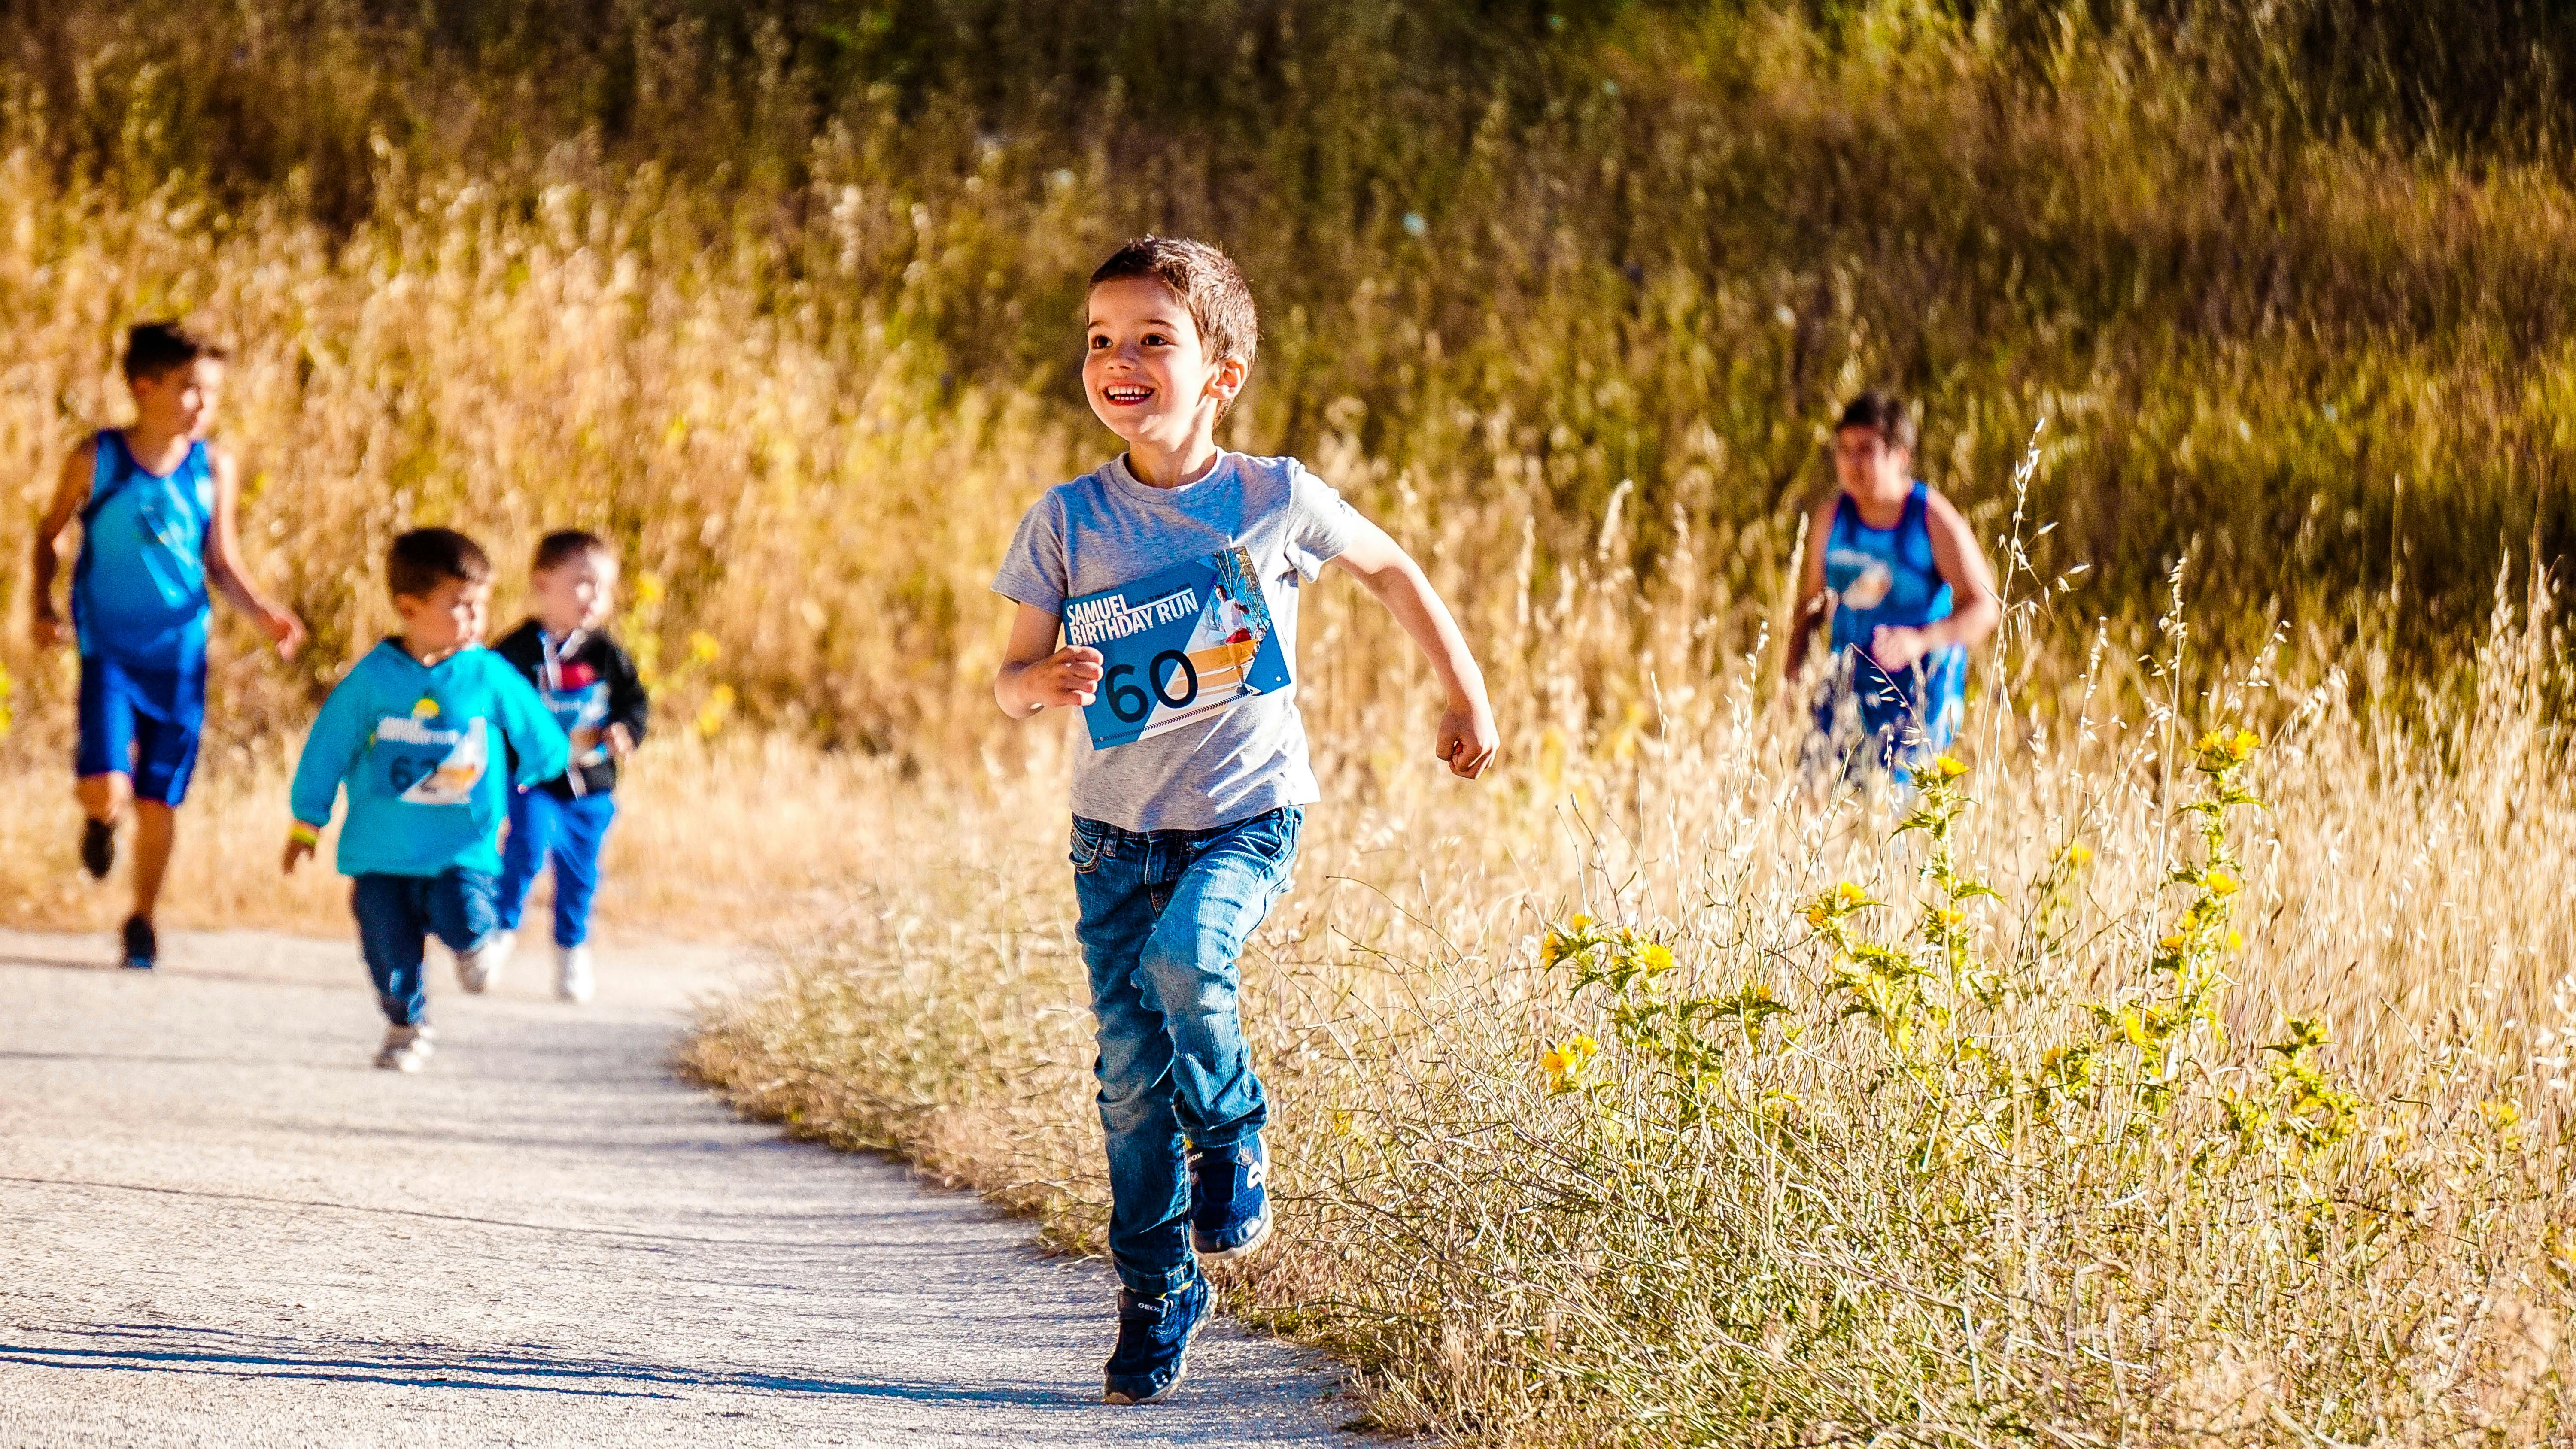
(172, 1348)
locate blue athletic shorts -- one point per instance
(141, 722)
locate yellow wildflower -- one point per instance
(1656, 960)
(2172, 943)
(2224, 748)
(1850, 897)
(1565, 1062)
(1551, 949)
(2219, 883)
(2079, 855)
(1578, 921)
(1948, 767)
(2236, 940)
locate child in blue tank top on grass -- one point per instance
(422, 732)
(156, 505)
(1183, 838)
(1908, 592)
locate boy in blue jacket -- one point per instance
(410, 732)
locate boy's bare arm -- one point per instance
(1035, 674)
(223, 562)
(1467, 738)
(1975, 608)
(1811, 587)
(71, 491)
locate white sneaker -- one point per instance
(406, 1048)
(572, 973)
(477, 969)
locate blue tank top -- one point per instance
(1887, 577)
(139, 589)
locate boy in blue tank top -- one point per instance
(1907, 592)
(156, 505)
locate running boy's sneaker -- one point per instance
(477, 969)
(142, 947)
(573, 979)
(1154, 1341)
(1230, 1199)
(406, 1048)
(98, 847)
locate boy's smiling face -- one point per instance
(1147, 374)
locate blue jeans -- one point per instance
(1164, 913)
(396, 916)
(545, 827)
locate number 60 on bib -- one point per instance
(1177, 646)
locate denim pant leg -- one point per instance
(523, 852)
(580, 829)
(458, 908)
(1149, 1193)
(1190, 975)
(391, 925)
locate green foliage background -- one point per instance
(2290, 280)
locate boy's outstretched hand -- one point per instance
(297, 848)
(1468, 739)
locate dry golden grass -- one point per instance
(733, 840)
(2031, 1222)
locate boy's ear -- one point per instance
(1231, 374)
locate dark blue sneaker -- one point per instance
(98, 848)
(1154, 1341)
(1230, 1199)
(142, 947)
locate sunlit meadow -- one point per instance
(2186, 1069)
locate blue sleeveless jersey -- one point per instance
(1883, 578)
(139, 589)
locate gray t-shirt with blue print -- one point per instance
(1104, 529)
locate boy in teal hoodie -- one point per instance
(410, 731)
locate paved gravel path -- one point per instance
(219, 1225)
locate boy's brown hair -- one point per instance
(1207, 282)
(154, 348)
(424, 558)
(566, 544)
(1884, 412)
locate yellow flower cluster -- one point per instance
(1835, 904)
(1555, 946)
(2223, 749)
(1569, 1063)
(1948, 768)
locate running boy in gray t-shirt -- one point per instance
(1183, 836)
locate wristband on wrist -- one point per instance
(304, 834)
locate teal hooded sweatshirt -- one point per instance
(420, 748)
